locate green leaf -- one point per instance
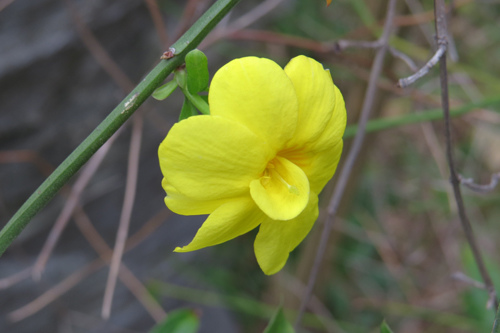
(188, 110)
(197, 70)
(384, 328)
(181, 78)
(279, 324)
(178, 321)
(165, 90)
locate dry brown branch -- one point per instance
(157, 18)
(126, 276)
(98, 52)
(54, 293)
(5, 3)
(244, 21)
(441, 34)
(351, 157)
(405, 82)
(459, 276)
(191, 10)
(27, 156)
(128, 204)
(486, 188)
(62, 220)
(9, 281)
(69, 282)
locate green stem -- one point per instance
(112, 123)
(430, 115)
(197, 101)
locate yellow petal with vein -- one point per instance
(258, 94)
(316, 97)
(212, 158)
(181, 204)
(234, 218)
(276, 239)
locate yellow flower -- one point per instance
(271, 143)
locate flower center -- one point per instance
(271, 172)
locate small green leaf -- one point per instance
(181, 78)
(165, 90)
(188, 110)
(279, 324)
(178, 321)
(384, 328)
(197, 70)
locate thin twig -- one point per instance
(5, 3)
(15, 278)
(351, 158)
(98, 51)
(405, 82)
(160, 27)
(405, 58)
(128, 204)
(254, 15)
(69, 282)
(469, 183)
(342, 44)
(244, 21)
(297, 288)
(27, 156)
(62, 220)
(190, 11)
(54, 293)
(103, 58)
(459, 276)
(126, 276)
(441, 33)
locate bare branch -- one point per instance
(128, 204)
(351, 158)
(406, 59)
(343, 44)
(62, 220)
(160, 27)
(405, 82)
(459, 276)
(469, 183)
(441, 33)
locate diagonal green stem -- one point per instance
(112, 123)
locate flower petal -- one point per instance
(335, 128)
(282, 192)
(232, 219)
(181, 204)
(276, 239)
(257, 93)
(211, 158)
(318, 166)
(316, 96)
(319, 158)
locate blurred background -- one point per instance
(397, 250)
